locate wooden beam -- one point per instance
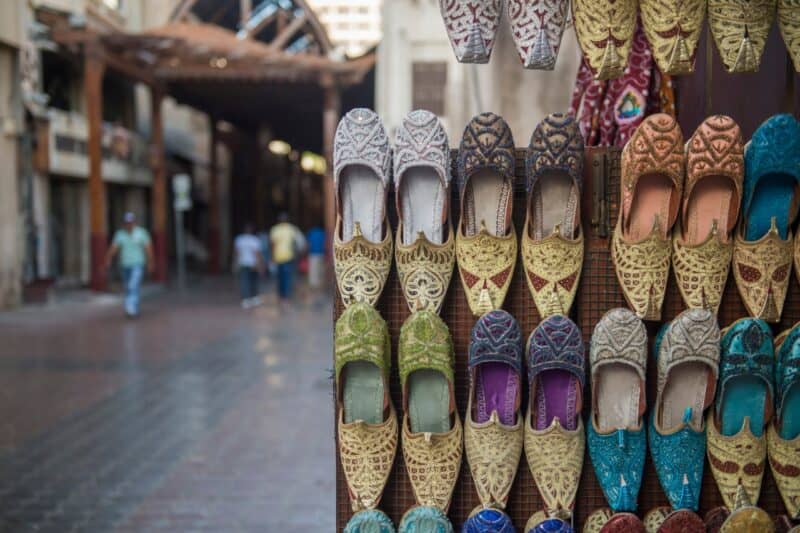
(93, 72)
(245, 12)
(263, 24)
(282, 39)
(158, 192)
(182, 10)
(330, 117)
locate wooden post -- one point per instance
(245, 11)
(213, 203)
(158, 193)
(330, 118)
(93, 70)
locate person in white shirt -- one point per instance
(250, 265)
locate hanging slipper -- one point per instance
(604, 29)
(486, 242)
(471, 26)
(737, 444)
(597, 519)
(740, 31)
(789, 23)
(682, 521)
(537, 27)
(554, 434)
(687, 353)
(652, 181)
(762, 249)
(425, 247)
(488, 521)
(783, 436)
(673, 28)
(432, 433)
(746, 517)
(616, 435)
(370, 521)
(655, 517)
(552, 241)
(550, 525)
(714, 518)
(701, 244)
(425, 520)
(623, 523)
(362, 245)
(493, 432)
(367, 423)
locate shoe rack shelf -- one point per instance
(597, 293)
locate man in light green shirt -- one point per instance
(135, 250)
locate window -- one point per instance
(428, 81)
(113, 4)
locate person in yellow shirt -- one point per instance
(286, 240)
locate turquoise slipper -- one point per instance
(424, 519)
(369, 521)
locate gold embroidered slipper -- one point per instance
(362, 244)
(367, 423)
(652, 182)
(740, 30)
(432, 432)
(552, 241)
(605, 32)
(789, 23)
(702, 243)
(486, 242)
(425, 247)
(673, 28)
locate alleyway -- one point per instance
(198, 416)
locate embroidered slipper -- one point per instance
(762, 250)
(701, 244)
(486, 242)
(714, 518)
(493, 432)
(623, 523)
(597, 519)
(425, 520)
(554, 435)
(432, 433)
(616, 435)
(737, 447)
(687, 352)
(652, 181)
(604, 29)
(425, 247)
(746, 517)
(550, 525)
(362, 245)
(471, 26)
(367, 423)
(552, 241)
(789, 23)
(371, 521)
(488, 521)
(655, 517)
(682, 521)
(740, 31)
(783, 435)
(537, 27)
(673, 28)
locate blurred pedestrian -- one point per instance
(286, 239)
(135, 255)
(249, 265)
(316, 257)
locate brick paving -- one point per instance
(196, 417)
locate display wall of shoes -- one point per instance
(433, 379)
(605, 30)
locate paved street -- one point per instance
(198, 416)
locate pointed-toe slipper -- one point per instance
(789, 23)
(493, 432)
(616, 433)
(367, 423)
(551, 525)
(783, 436)
(682, 521)
(471, 26)
(605, 30)
(423, 519)
(740, 31)
(486, 242)
(370, 521)
(702, 243)
(362, 170)
(624, 523)
(554, 435)
(425, 247)
(762, 249)
(432, 433)
(552, 241)
(673, 29)
(652, 182)
(537, 27)
(736, 436)
(687, 352)
(489, 521)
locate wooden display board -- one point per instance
(597, 293)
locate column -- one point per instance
(213, 202)
(158, 192)
(330, 118)
(93, 71)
